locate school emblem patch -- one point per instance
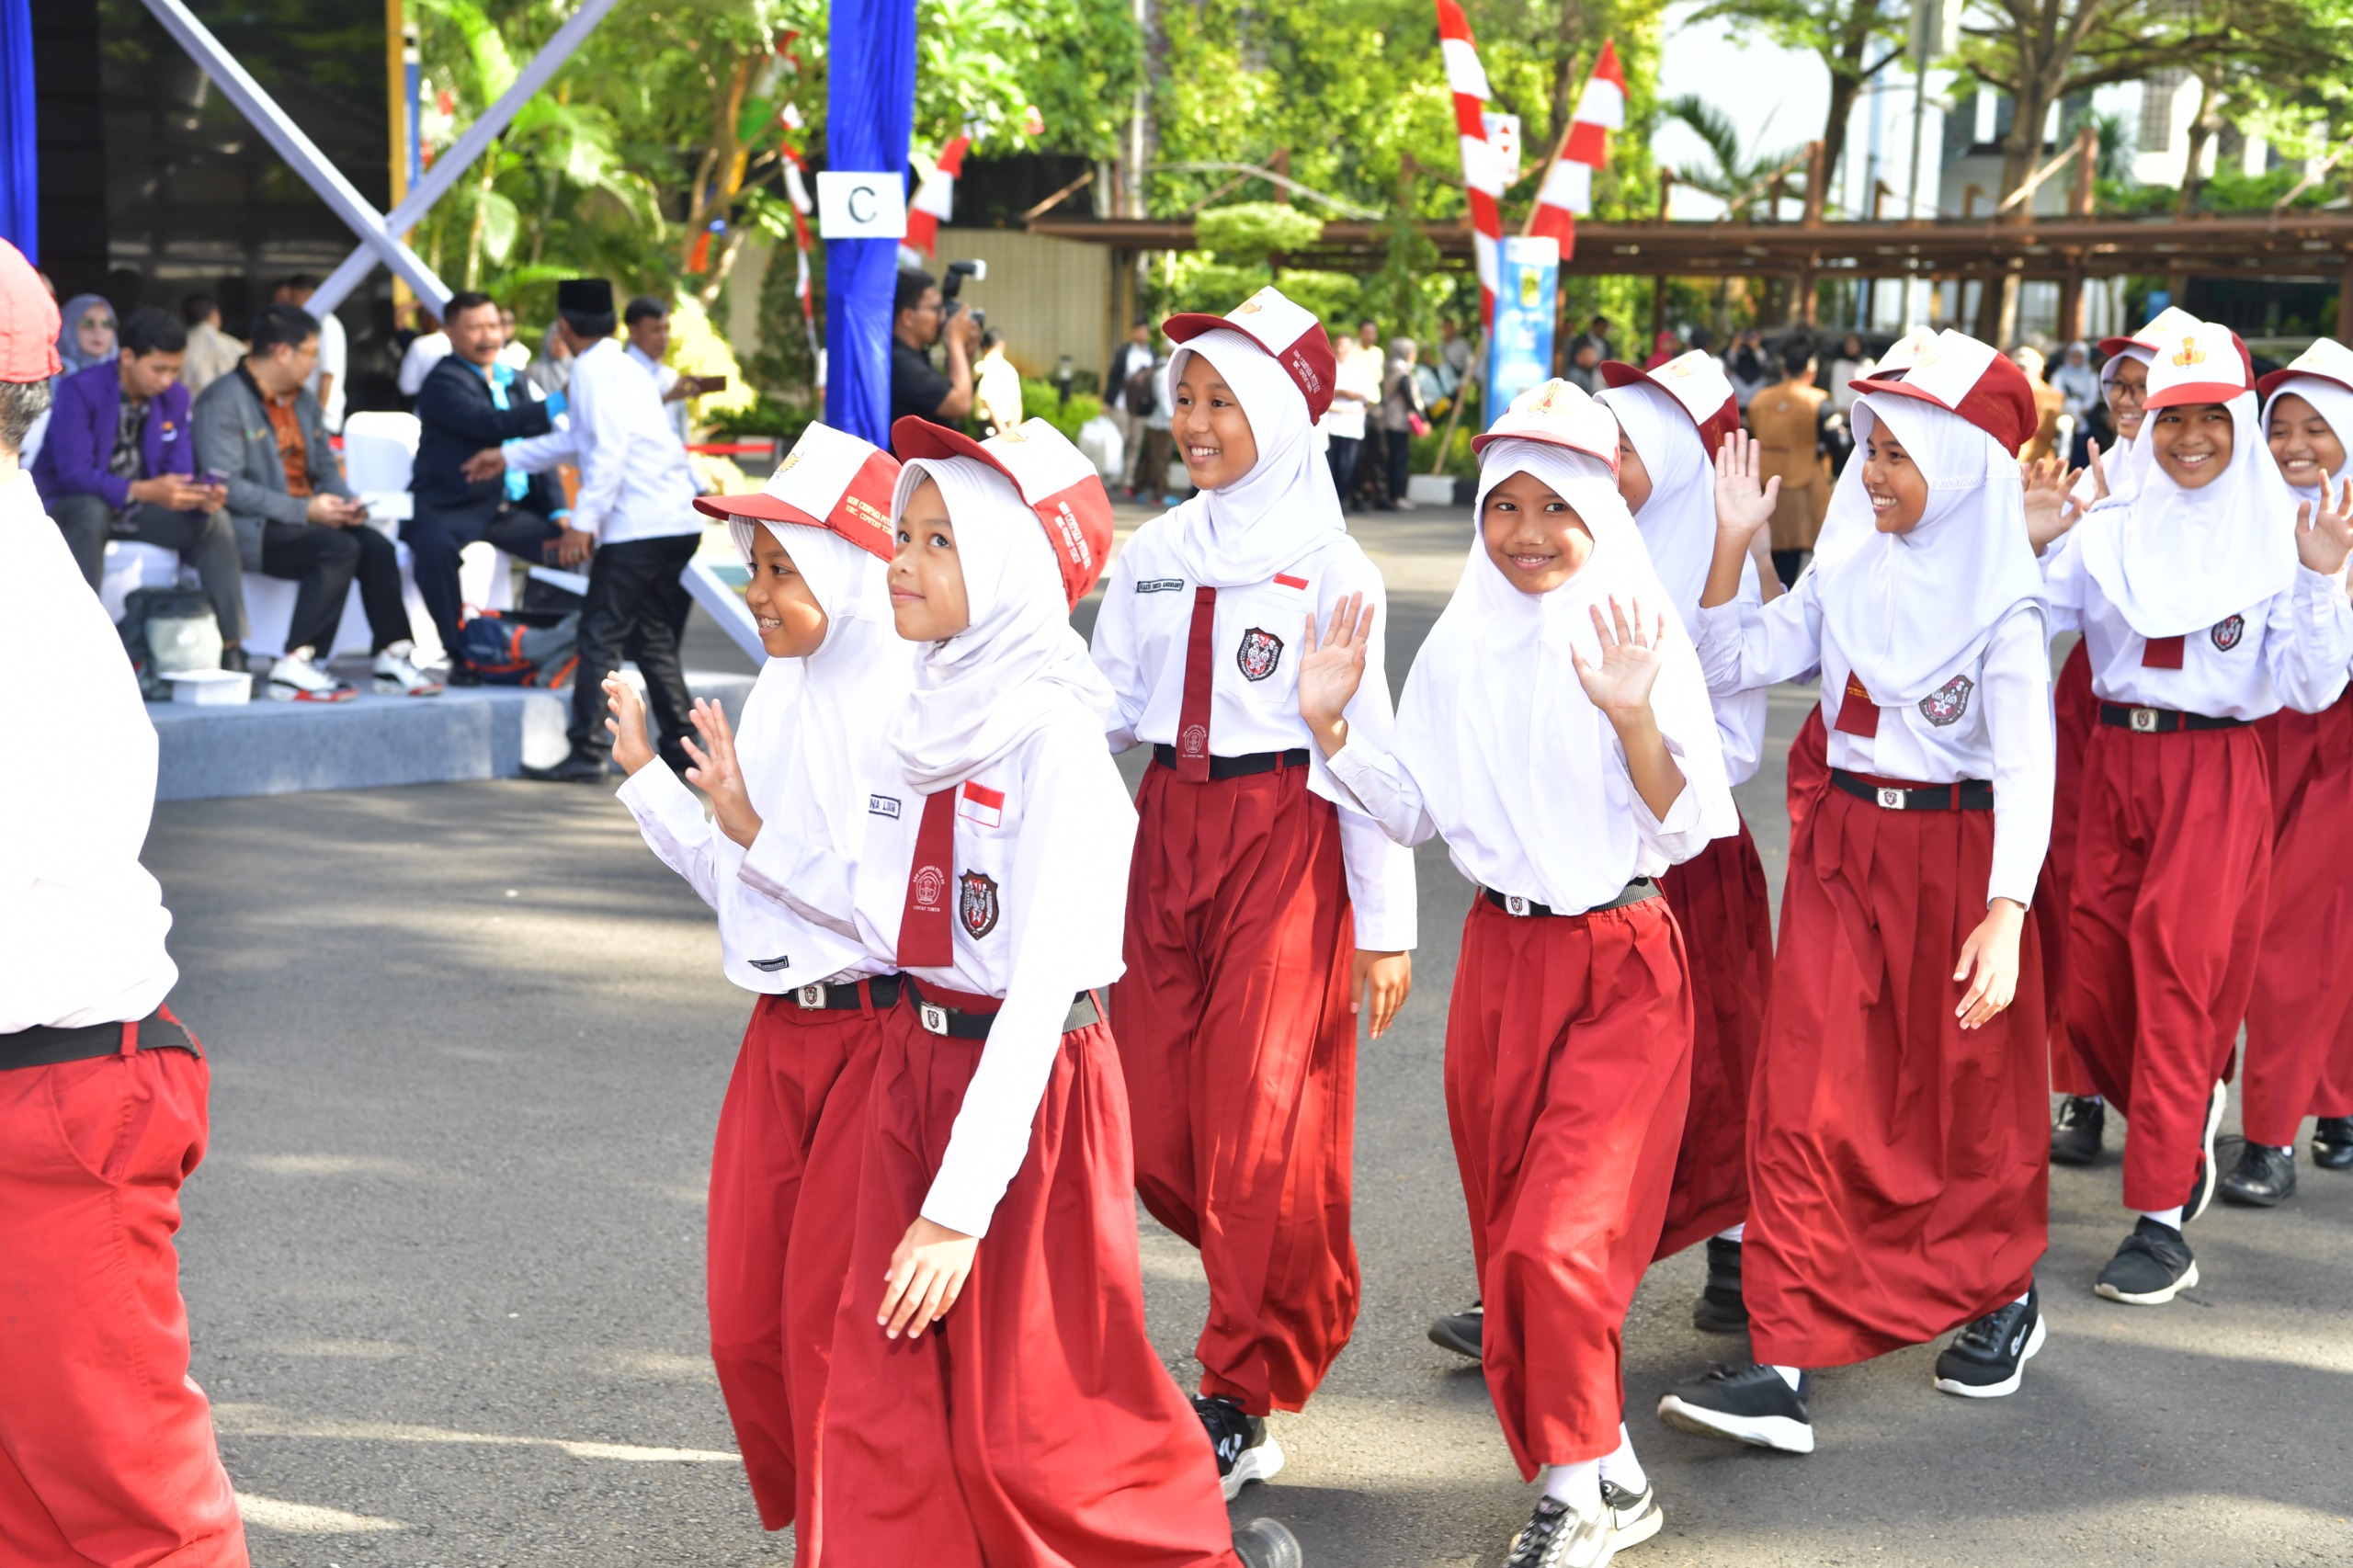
(1260, 651)
(930, 881)
(2227, 633)
(976, 905)
(1946, 704)
(1195, 741)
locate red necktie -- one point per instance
(1193, 709)
(1858, 714)
(2162, 654)
(927, 940)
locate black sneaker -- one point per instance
(1749, 1405)
(1245, 1450)
(1720, 1308)
(2333, 1142)
(580, 768)
(1266, 1543)
(2149, 1269)
(2202, 1192)
(1988, 1357)
(1634, 1517)
(2075, 1134)
(2263, 1178)
(1557, 1536)
(1462, 1333)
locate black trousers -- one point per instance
(324, 560)
(204, 540)
(635, 609)
(435, 538)
(1342, 454)
(1399, 447)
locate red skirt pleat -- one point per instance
(1724, 909)
(1809, 767)
(1567, 1074)
(1898, 1166)
(1239, 1053)
(1037, 1428)
(790, 1136)
(2172, 870)
(2299, 1015)
(2077, 712)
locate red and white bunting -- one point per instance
(935, 200)
(1481, 171)
(1567, 193)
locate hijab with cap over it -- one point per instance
(1495, 725)
(2322, 376)
(1847, 521)
(28, 321)
(1676, 419)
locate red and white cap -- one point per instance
(830, 480)
(2165, 327)
(1962, 376)
(1695, 381)
(2327, 360)
(1900, 354)
(1559, 415)
(2205, 363)
(27, 320)
(1287, 330)
(1053, 477)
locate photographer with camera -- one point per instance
(921, 316)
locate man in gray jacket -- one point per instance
(295, 516)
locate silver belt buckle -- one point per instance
(2144, 720)
(811, 996)
(1515, 904)
(933, 1016)
(1890, 799)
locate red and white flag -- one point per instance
(935, 200)
(1567, 191)
(1482, 173)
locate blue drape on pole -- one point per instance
(19, 142)
(869, 109)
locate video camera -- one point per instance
(978, 271)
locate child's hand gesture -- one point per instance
(927, 1274)
(2051, 506)
(717, 774)
(1742, 503)
(632, 750)
(2324, 533)
(1330, 671)
(1620, 683)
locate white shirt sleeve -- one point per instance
(1384, 790)
(601, 437)
(1379, 867)
(1683, 831)
(2063, 583)
(1113, 648)
(808, 879)
(538, 454)
(2308, 638)
(1744, 646)
(2020, 728)
(675, 828)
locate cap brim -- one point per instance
(2265, 386)
(1618, 373)
(1976, 409)
(2194, 392)
(914, 438)
(759, 506)
(2110, 347)
(1187, 325)
(1480, 443)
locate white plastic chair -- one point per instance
(129, 567)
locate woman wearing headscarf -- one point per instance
(1897, 1176)
(2208, 597)
(1264, 908)
(1401, 409)
(85, 335)
(1556, 729)
(992, 1398)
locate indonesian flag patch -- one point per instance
(979, 803)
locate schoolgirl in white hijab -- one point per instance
(1555, 728)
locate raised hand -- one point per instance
(2099, 475)
(2051, 506)
(1331, 670)
(1742, 503)
(717, 774)
(632, 750)
(1620, 682)
(2324, 533)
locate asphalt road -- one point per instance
(445, 1259)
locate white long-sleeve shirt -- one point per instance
(1142, 637)
(634, 480)
(1993, 722)
(2290, 651)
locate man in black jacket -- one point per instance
(471, 402)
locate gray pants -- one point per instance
(204, 540)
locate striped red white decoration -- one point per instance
(934, 199)
(1481, 177)
(1567, 191)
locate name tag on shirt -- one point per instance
(1160, 584)
(882, 805)
(979, 803)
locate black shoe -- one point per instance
(460, 674)
(2333, 1142)
(1988, 1357)
(1462, 1333)
(2075, 1135)
(580, 768)
(233, 657)
(1559, 1537)
(1267, 1543)
(2152, 1265)
(2262, 1178)
(2201, 1190)
(1720, 1308)
(1245, 1450)
(1749, 1405)
(1634, 1517)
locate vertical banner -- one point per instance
(869, 110)
(1527, 287)
(19, 140)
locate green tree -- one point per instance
(1855, 40)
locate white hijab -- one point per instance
(2332, 401)
(1018, 667)
(1679, 522)
(2175, 560)
(1911, 610)
(1282, 507)
(1498, 731)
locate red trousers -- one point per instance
(106, 1450)
(2078, 711)
(2172, 874)
(791, 1135)
(1036, 1427)
(1568, 1067)
(1240, 1054)
(1898, 1166)
(1724, 909)
(2299, 1017)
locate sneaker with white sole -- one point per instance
(1751, 1404)
(1987, 1358)
(2202, 1192)
(1557, 1536)
(1245, 1450)
(396, 674)
(2152, 1267)
(1634, 1517)
(297, 677)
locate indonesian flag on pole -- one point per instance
(935, 200)
(1567, 191)
(1481, 176)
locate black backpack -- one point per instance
(186, 636)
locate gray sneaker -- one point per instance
(1559, 1537)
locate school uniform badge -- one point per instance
(2227, 633)
(1260, 651)
(976, 904)
(1945, 704)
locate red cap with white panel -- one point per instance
(830, 478)
(1961, 375)
(1286, 330)
(1697, 382)
(1052, 475)
(1561, 414)
(2203, 364)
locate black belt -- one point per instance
(1968, 795)
(1239, 766)
(957, 1024)
(1635, 891)
(2160, 720)
(45, 1045)
(883, 989)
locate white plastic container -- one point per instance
(209, 688)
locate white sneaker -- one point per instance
(296, 677)
(397, 675)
